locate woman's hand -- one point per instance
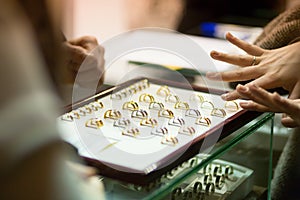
(261, 100)
(85, 61)
(269, 68)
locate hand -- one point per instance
(270, 68)
(89, 183)
(270, 102)
(85, 61)
(82, 170)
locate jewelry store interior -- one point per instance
(150, 99)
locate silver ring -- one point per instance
(253, 61)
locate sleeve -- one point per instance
(281, 31)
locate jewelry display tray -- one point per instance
(127, 139)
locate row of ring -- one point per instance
(231, 106)
(134, 132)
(137, 87)
(165, 113)
(124, 123)
(138, 113)
(196, 191)
(218, 169)
(210, 185)
(132, 105)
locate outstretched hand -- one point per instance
(269, 68)
(261, 100)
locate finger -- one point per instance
(87, 42)
(291, 107)
(263, 97)
(256, 94)
(242, 74)
(266, 82)
(247, 47)
(295, 93)
(273, 102)
(240, 60)
(82, 170)
(76, 53)
(230, 96)
(237, 94)
(289, 122)
(250, 105)
(90, 46)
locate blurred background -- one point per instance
(105, 19)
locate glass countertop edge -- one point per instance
(165, 190)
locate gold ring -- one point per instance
(132, 132)
(96, 105)
(204, 121)
(148, 122)
(88, 109)
(218, 112)
(163, 91)
(94, 123)
(253, 61)
(143, 84)
(132, 89)
(156, 106)
(182, 106)
(172, 98)
(112, 114)
(166, 113)
(116, 96)
(170, 140)
(81, 111)
(75, 115)
(131, 105)
(147, 98)
(231, 106)
(67, 117)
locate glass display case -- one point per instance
(229, 170)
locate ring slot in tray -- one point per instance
(145, 127)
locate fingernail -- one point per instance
(242, 88)
(244, 104)
(229, 34)
(225, 96)
(215, 53)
